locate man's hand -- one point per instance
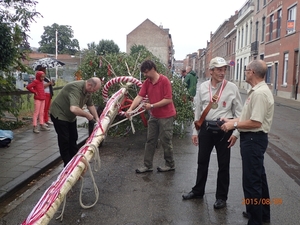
(147, 106)
(128, 114)
(227, 126)
(89, 116)
(232, 141)
(195, 140)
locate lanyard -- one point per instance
(216, 95)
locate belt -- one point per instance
(252, 132)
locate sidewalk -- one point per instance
(30, 155)
(291, 103)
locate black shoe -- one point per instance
(191, 195)
(219, 204)
(247, 216)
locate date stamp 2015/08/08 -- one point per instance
(262, 201)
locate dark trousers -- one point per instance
(255, 185)
(208, 140)
(67, 136)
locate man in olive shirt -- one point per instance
(66, 106)
(254, 125)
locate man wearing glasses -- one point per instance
(254, 125)
(226, 102)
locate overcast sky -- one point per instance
(189, 21)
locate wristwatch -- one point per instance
(151, 106)
(235, 125)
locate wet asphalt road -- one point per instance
(127, 198)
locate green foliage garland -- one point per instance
(111, 65)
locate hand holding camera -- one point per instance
(220, 122)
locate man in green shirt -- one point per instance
(190, 81)
(66, 107)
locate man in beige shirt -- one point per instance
(254, 125)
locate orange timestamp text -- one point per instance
(262, 201)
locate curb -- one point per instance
(22, 181)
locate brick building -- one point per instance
(155, 38)
(282, 47)
(263, 29)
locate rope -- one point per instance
(94, 184)
(61, 216)
(130, 119)
(87, 164)
(96, 156)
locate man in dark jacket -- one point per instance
(190, 81)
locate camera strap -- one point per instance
(199, 122)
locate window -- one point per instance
(238, 44)
(268, 75)
(245, 60)
(275, 78)
(237, 70)
(265, 2)
(279, 15)
(291, 19)
(246, 36)
(250, 32)
(263, 29)
(257, 5)
(271, 27)
(256, 31)
(285, 69)
(242, 38)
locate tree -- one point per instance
(65, 43)
(104, 47)
(15, 19)
(111, 65)
(137, 48)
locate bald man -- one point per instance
(254, 125)
(66, 107)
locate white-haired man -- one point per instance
(225, 101)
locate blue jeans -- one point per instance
(159, 129)
(256, 191)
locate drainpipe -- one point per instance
(298, 68)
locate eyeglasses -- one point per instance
(245, 70)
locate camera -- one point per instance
(220, 122)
